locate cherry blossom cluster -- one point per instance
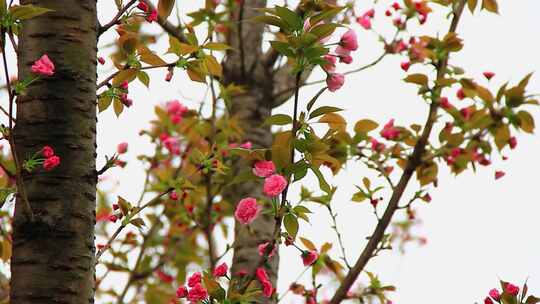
(150, 15)
(347, 44)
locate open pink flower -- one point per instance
(309, 257)
(247, 210)
(51, 163)
(335, 81)
(263, 247)
(47, 151)
(349, 40)
(389, 131)
(221, 270)
(274, 185)
(197, 293)
(264, 168)
(43, 66)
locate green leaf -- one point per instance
(293, 20)
(323, 110)
(144, 78)
(419, 79)
(118, 107)
(165, 8)
(278, 119)
(283, 48)
(104, 102)
(137, 222)
(323, 30)
(23, 12)
(526, 121)
(271, 20)
(291, 224)
(365, 126)
(322, 182)
(216, 46)
(314, 99)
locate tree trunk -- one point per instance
(53, 257)
(245, 66)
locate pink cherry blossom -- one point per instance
(349, 40)
(335, 81)
(268, 289)
(264, 168)
(247, 210)
(344, 55)
(153, 16)
(274, 185)
(43, 66)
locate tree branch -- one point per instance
(414, 161)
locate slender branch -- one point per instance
(104, 28)
(340, 239)
(125, 223)
(27, 210)
(110, 77)
(414, 161)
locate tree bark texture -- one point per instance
(53, 257)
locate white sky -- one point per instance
(478, 230)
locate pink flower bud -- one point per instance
(173, 195)
(364, 22)
(499, 174)
(51, 163)
(122, 148)
(47, 151)
(512, 142)
(511, 289)
(194, 279)
(494, 293)
(113, 218)
(142, 6)
(263, 247)
(335, 81)
(101, 60)
(221, 270)
(389, 132)
(460, 94)
(489, 75)
(181, 292)
(309, 257)
(405, 65)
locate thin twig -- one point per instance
(104, 28)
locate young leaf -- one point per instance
(323, 110)
(291, 224)
(278, 119)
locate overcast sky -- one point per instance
(478, 229)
